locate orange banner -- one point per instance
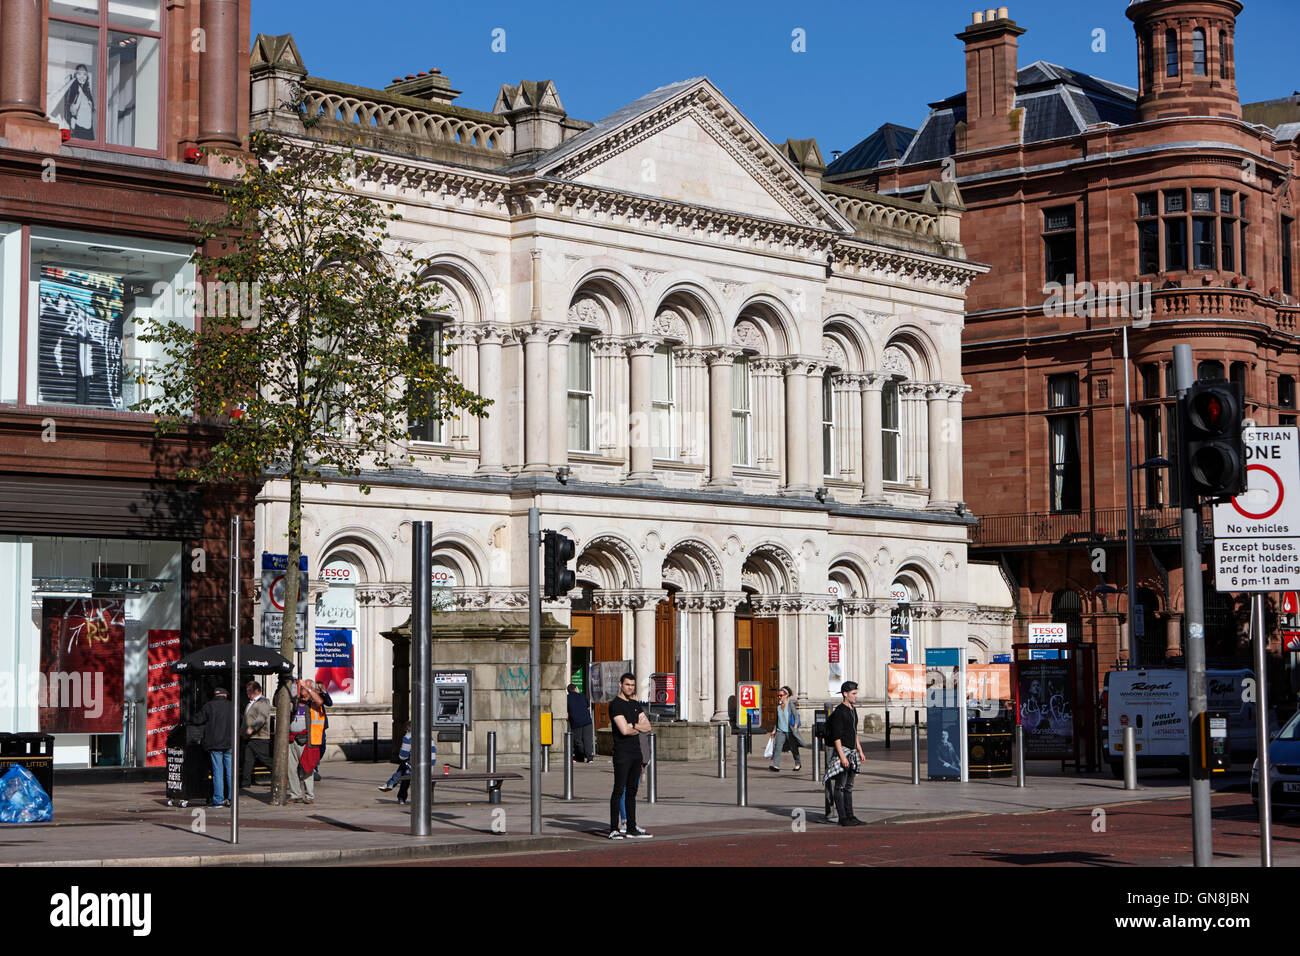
(983, 682)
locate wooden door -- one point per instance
(666, 636)
(607, 646)
(766, 664)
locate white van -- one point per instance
(1154, 703)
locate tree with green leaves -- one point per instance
(317, 372)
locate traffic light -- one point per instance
(557, 579)
(1213, 452)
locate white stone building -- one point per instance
(738, 391)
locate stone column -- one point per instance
(873, 487)
(490, 456)
(536, 439)
(813, 424)
(641, 356)
(955, 456)
(557, 396)
(22, 114)
(720, 451)
(643, 646)
(724, 653)
(218, 74)
(796, 421)
(937, 398)
(1173, 634)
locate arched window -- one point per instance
(1198, 52)
(828, 426)
(580, 393)
(1171, 53)
(741, 406)
(901, 596)
(1067, 609)
(891, 435)
(1209, 370)
(663, 414)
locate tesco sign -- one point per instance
(1048, 633)
(338, 572)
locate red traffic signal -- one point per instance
(1214, 454)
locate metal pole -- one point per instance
(568, 765)
(464, 747)
(1020, 755)
(742, 772)
(234, 678)
(886, 728)
(534, 667)
(494, 795)
(1261, 732)
(374, 742)
(722, 751)
(916, 753)
(652, 788)
(1130, 546)
(421, 676)
(546, 758)
(1194, 604)
(1130, 758)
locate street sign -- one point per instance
(274, 567)
(1257, 534)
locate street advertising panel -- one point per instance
(1045, 699)
(335, 637)
(274, 567)
(945, 712)
(987, 685)
(749, 706)
(83, 643)
(163, 696)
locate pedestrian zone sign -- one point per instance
(1257, 533)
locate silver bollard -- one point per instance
(742, 773)
(1130, 759)
(916, 753)
(464, 747)
(652, 774)
(546, 758)
(494, 794)
(568, 765)
(722, 751)
(1020, 755)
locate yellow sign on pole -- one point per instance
(546, 730)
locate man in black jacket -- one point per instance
(842, 764)
(217, 721)
(580, 723)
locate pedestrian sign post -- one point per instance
(1257, 533)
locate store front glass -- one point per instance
(96, 623)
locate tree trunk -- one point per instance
(283, 699)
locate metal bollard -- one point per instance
(817, 758)
(742, 774)
(915, 753)
(1020, 755)
(494, 795)
(374, 743)
(652, 775)
(886, 728)
(546, 758)
(1130, 759)
(722, 751)
(464, 747)
(568, 765)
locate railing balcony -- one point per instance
(1100, 526)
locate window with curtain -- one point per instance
(828, 426)
(741, 406)
(580, 394)
(662, 413)
(1066, 475)
(424, 423)
(891, 433)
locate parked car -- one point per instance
(1283, 767)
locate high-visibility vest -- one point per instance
(316, 730)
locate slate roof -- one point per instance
(888, 142)
(651, 101)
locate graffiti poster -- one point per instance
(80, 338)
(83, 641)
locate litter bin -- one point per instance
(33, 752)
(988, 746)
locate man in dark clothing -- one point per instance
(218, 737)
(627, 720)
(842, 766)
(582, 726)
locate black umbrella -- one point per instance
(216, 660)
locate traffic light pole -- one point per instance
(534, 676)
(1194, 612)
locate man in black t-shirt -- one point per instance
(628, 720)
(842, 763)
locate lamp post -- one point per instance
(1130, 543)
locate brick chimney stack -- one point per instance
(991, 41)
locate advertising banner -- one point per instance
(985, 683)
(1046, 708)
(82, 647)
(335, 638)
(335, 663)
(945, 712)
(749, 705)
(163, 695)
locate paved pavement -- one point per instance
(352, 822)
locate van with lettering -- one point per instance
(1154, 703)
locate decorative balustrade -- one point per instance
(1102, 526)
(867, 213)
(378, 116)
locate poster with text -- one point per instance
(335, 666)
(163, 695)
(83, 641)
(1046, 708)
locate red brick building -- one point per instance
(103, 108)
(1111, 197)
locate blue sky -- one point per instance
(865, 63)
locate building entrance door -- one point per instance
(607, 645)
(757, 657)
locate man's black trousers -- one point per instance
(627, 774)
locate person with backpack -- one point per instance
(843, 756)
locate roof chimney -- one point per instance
(991, 42)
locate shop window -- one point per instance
(425, 423)
(580, 393)
(90, 298)
(1059, 246)
(103, 72)
(902, 596)
(741, 406)
(664, 406)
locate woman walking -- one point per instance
(786, 736)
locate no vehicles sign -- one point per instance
(1257, 534)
